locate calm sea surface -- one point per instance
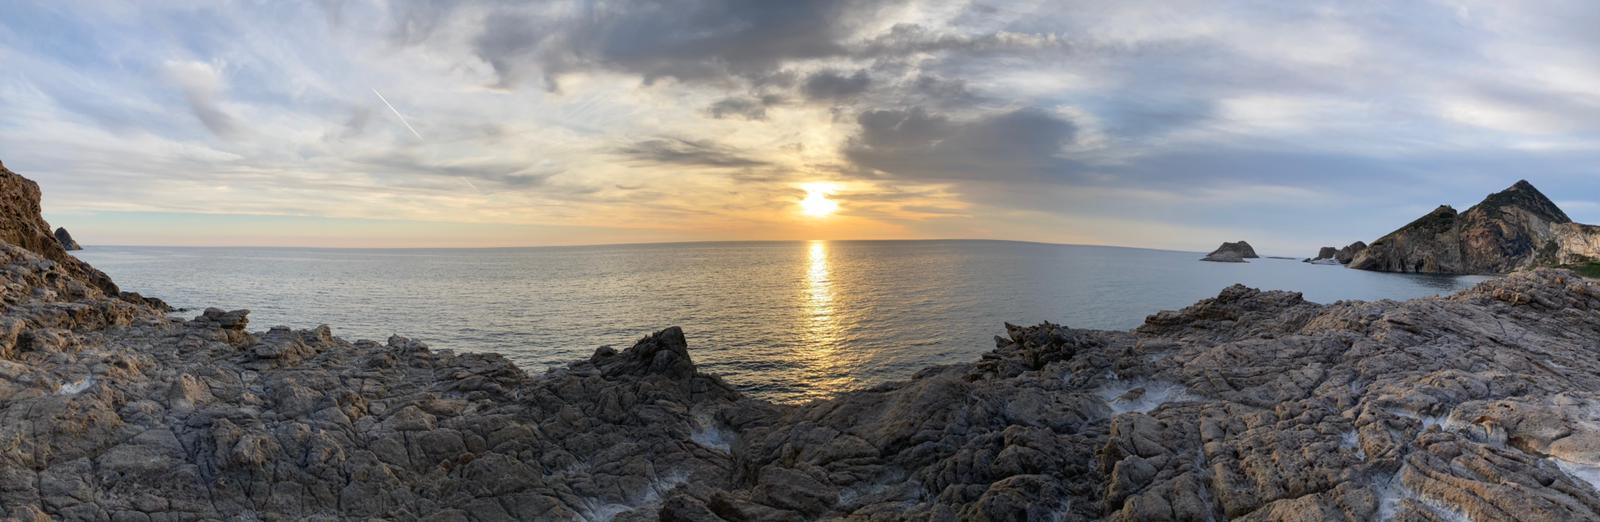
(788, 321)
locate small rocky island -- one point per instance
(1514, 229)
(1236, 252)
(1256, 406)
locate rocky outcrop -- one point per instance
(1337, 256)
(1514, 229)
(1324, 257)
(1347, 254)
(1236, 252)
(64, 238)
(22, 225)
(1250, 406)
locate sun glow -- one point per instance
(816, 203)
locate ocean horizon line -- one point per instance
(639, 244)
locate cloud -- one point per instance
(504, 174)
(747, 107)
(1166, 113)
(912, 39)
(680, 151)
(943, 91)
(831, 85)
(689, 40)
(507, 38)
(202, 84)
(1018, 145)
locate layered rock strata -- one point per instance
(1514, 229)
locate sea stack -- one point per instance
(1235, 252)
(1516, 228)
(65, 238)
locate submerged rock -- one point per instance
(1235, 252)
(1252, 405)
(65, 239)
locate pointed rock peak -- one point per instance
(1523, 195)
(65, 238)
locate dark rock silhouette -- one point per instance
(65, 239)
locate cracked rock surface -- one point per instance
(1252, 405)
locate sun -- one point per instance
(816, 203)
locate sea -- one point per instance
(785, 321)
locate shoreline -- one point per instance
(773, 354)
(1249, 405)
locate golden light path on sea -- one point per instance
(819, 355)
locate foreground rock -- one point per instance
(64, 238)
(1235, 252)
(1514, 229)
(1249, 406)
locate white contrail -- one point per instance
(397, 114)
(418, 135)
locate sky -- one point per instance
(1174, 125)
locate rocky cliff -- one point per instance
(1514, 229)
(65, 239)
(22, 225)
(1249, 406)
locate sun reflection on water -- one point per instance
(819, 355)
